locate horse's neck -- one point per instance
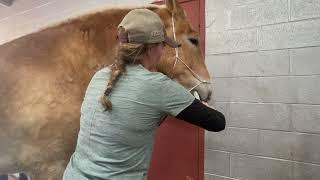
(92, 41)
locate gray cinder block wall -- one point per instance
(264, 56)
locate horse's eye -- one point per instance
(194, 41)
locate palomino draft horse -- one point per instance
(44, 76)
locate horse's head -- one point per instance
(189, 67)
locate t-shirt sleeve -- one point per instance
(174, 97)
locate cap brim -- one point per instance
(171, 43)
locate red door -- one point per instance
(179, 147)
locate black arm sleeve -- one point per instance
(203, 116)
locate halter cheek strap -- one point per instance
(177, 58)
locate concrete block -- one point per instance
(277, 144)
(260, 116)
(303, 171)
(274, 37)
(306, 89)
(303, 9)
(4, 13)
(257, 14)
(306, 118)
(268, 63)
(217, 16)
(233, 140)
(290, 35)
(252, 89)
(290, 145)
(243, 2)
(217, 162)
(47, 13)
(20, 7)
(306, 148)
(305, 61)
(231, 41)
(216, 177)
(268, 89)
(224, 108)
(48, 9)
(305, 33)
(258, 168)
(3, 35)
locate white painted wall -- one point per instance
(264, 56)
(25, 16)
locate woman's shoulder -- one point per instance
(137, 74)
(103, 72)
(140, 72)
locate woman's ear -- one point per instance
(149, 52)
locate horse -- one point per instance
(44, 76)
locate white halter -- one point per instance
(178, 58)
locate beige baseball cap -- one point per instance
(142, 26)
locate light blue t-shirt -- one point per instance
(117, 144)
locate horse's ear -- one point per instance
(174, 7)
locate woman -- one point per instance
(117, 130)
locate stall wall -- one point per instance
(264, 56)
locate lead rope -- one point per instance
(178, 58)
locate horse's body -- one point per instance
(44, 77)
